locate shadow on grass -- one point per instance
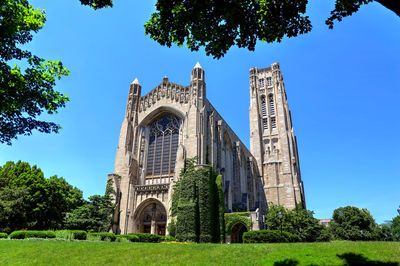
(286, 262)
(352, 259)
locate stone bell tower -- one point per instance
(272, 139)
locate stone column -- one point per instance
(153, 220)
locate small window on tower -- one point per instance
(273, 122)
(265, 124)
(271, 105)
(269, 81)
(261, 82)
(263, 107)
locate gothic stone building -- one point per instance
(174, 122)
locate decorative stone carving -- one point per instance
(157, 188)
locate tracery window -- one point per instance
(261, 83)
(162, 147)
(269, 81)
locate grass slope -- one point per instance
(42, 252)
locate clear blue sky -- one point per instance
(343, 89)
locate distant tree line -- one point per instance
(348, 223)
(28, 200)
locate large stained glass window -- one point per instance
(163, 145)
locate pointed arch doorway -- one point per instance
(237, 233)
(151, 217)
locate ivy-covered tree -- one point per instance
(96, 214)
(26, 80)
(352, 223)
(196, 204)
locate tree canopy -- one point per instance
(26, 88)
(299, 221)
(28, 200)
(96, 214)
(352, 223)
(219, 25)
(395, 228)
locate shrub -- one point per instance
(3, 235)
(146, 237)
(167, 238)
(71, 234)
(17, 235)
(121, 239)
(325, 235)
(352, 223)
(269, 236)
(172, 228)
(93, 237)
(64, 234)
(298, 221)
(129, 237)
(32, 234)
(103, 236)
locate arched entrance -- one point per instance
(237, 233)
(151, 217)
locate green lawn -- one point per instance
(53, 252)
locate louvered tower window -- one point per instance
(263, 107)
(273, 122)
(271, 105)
(265, 123)
(163, 145)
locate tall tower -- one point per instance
(272, 140)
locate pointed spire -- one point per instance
(136, 81)
(198, 65)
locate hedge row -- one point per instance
(71, 234)
(32, 234)
(103, 236)
(269, 236)
(82, 235)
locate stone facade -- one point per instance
(159, 131)
(174, 122)
(272, 139)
